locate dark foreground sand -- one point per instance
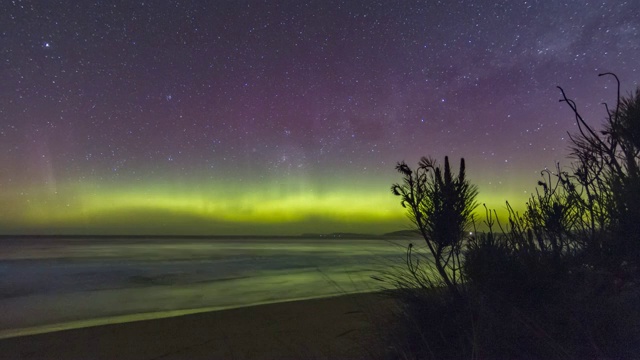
(339, 327)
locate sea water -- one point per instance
(49, 284)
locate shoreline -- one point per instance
(328, 327)
(128, 318)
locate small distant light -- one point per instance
(470, 232)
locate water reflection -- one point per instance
(53, 281)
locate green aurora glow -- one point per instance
(203, 210)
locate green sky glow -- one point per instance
(196, 209)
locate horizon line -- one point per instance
(208, 236)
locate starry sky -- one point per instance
(286, 117)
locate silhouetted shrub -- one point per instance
(441, 207)
(559, 281)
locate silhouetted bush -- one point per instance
(441, 206)
(558, 281)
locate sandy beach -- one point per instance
(327, 328)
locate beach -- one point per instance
(346, 326)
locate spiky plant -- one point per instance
(441, 206)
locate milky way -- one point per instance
(282, 117)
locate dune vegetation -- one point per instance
(557, 281)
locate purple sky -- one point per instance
(286, 116)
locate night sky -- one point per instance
(285, 117)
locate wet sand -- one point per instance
(346, 326)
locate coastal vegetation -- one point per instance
(557, 281)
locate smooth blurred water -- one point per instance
(48, 284)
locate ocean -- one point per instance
(49, 284)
